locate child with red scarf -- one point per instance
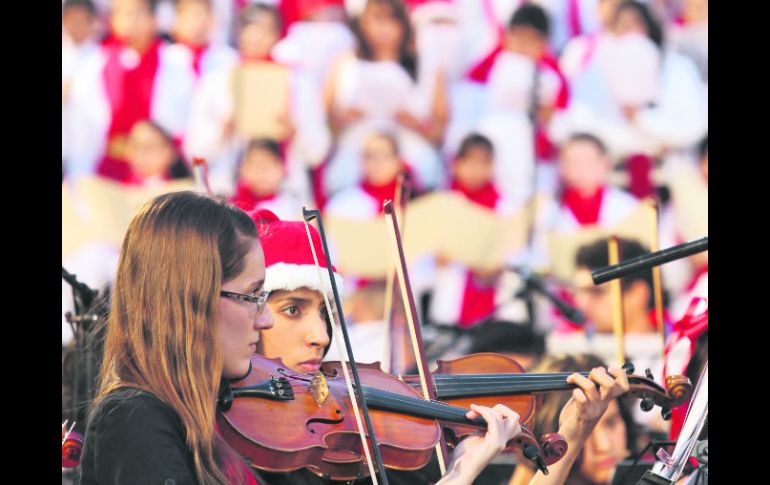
(192, 32)
(461, 296)
(260, 177)
(518, 79)
(152, 156)
(213, 131)
(587, 198)
(133, 76)
(381, 164)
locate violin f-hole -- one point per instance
(310, 422)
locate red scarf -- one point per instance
(573, 18)
(478, 300)
(691, 326)
(380, 193)
(129, 92)
(247, 200)
(696, 277)
(544, 148)
(197, 52)
(585, 209)
(485, 196)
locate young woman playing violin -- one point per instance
(187, 310)
(301, 332)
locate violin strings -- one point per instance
(406, 403)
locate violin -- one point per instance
(488, 378)
(281, 421)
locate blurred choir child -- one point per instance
(689, 35)
(79, 41)
(133, 76)
(316, 34)
(643, 98)
(461, 296)
(579, 52)
(364, 311)
(152, 155)
(260, 178)
(381, 165)
(378, 88)
(587, 198)
(192, 32)
(519, 79)
(214, 133)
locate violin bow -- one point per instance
(403, 192)
(426, 381)
(617, 303)
(201, 174)
(657, 287)
(307, 216)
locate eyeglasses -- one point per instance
(260, 300)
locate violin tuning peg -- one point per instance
(648, 373)
(628, 367)
(665, 413)
(554, 447)
(647, 404)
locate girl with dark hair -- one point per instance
(152, 155)
(378, 88)
(613, 438)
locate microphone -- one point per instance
(81, 290)
(648, 261)
(533, 282)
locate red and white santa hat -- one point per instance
(289, 263)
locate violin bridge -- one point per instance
(319, 388)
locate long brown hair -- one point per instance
(161, 336)
(549, 405)
(406, 55)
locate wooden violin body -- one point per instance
(281, 421)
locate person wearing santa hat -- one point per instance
(302, 329)
(261, 177)
(133, 76)
(300, 337)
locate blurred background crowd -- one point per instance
(590, 107)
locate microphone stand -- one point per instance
(82, 324)
(533, 283)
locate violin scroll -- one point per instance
(679, 388)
